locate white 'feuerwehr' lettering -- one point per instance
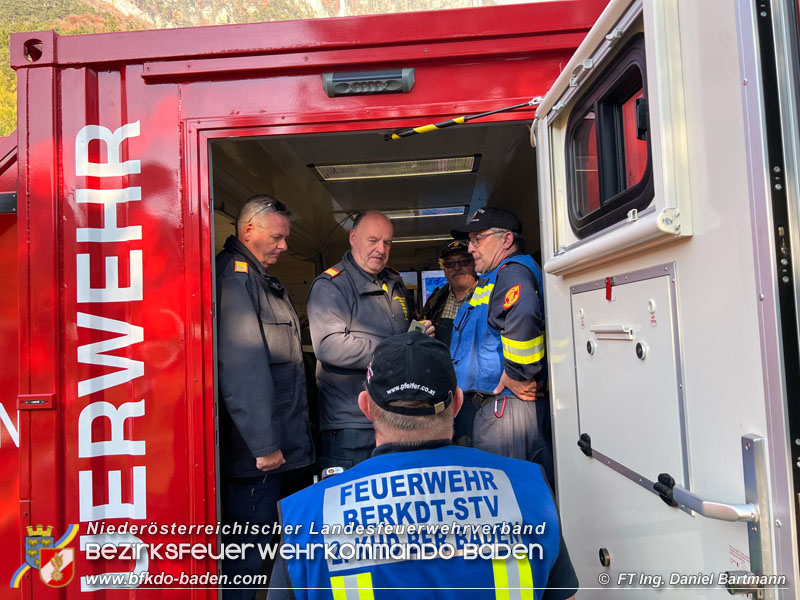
(113, 167)
(109, 232)
(92, 354)
(13, 430)
(116, 508)
(111, 292)
(117, 444)
(96, 352)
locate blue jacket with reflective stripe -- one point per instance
(442, 486)
(476, 348)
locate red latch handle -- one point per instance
(36, 401)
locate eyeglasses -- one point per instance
(476, 240)
(459, 262)
(279, 207)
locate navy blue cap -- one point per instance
(490, 217)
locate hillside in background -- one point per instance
(71, 17)
(67, 17)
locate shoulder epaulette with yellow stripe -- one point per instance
(331, 272)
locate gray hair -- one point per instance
(408, 423)
(258, 205)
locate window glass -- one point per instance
(635, 149)
(608, 149)
(586, 176)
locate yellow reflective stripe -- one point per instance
(364, 585)
(525, 579)
(500, 580)
(459, 120)
(524, 353)
(338, 589)
(385, 289)
(352, 587)
(524, 345)
(514, 584)
(481, 295)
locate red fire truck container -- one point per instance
(131, 154)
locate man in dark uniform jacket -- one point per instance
(264, 426)
(352, 307)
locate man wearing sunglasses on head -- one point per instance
(263, 418)
(498, 342)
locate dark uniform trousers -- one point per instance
(495, 424)
(345, 447)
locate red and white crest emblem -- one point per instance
(511, 298)
(58, 566)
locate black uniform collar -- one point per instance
(391, 447)
(235, 245)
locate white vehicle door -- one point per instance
(667, 161)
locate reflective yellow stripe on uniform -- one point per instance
(352, 587)
(513, 579)
(524, 353)
(481, 295)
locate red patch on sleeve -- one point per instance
(512, 296)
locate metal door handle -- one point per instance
(755, 511)
(612, 331)
(715, 510)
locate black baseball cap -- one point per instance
(488, 218)
(454, 247)
(412, 366)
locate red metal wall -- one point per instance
(10, 535)
(133, 189)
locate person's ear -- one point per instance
(363, 404)
(247, 231)
(458, 401)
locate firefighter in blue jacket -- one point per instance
(463, 498)
(263, 423)
(498, 342)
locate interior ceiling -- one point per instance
(279, 165)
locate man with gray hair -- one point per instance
(418, 493)
(498, 344)
(352, 306)
(263, 416)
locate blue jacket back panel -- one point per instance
(451, 491)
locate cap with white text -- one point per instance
(413, 367)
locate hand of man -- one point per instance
(524, 390)
(429, 328)
(271, 461)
